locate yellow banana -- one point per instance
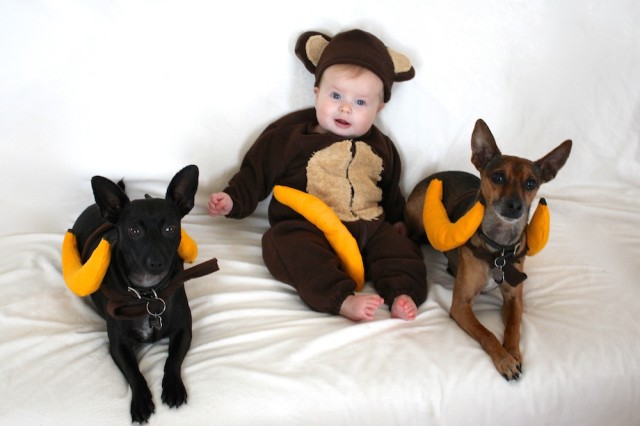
(442, 234)
(318, 213)
(538, 228)
(85, 279)
(188, 249)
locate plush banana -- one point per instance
(538, 228)
(84, 279)
(442, 234)
(318, 213)
(188, 249)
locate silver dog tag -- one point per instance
(155, 321)
(498, 274)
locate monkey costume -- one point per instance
(358, 178)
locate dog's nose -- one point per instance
(154, 265)
(514, 207)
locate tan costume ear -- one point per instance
(401, 66)
(309, 48)
(84, 279)
(442, 234)
(322, 216)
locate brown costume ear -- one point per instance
(318, 52)
(309, 48)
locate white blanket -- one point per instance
(139, 89)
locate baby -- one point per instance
(336, 153)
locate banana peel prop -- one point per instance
(318, 213)
(444, 235)
(538, 228)
(85, 279)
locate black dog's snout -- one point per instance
(155, 265)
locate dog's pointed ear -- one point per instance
(551, 163)
(483, 145)
(182, 189)
(109, 197)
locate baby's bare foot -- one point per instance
(358, 307)
(404, 308)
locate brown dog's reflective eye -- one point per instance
(498, 178)
(530, 184)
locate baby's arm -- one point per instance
(220, 204)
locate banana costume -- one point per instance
(85, 279)
(444, 235)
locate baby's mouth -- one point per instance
(342, 123)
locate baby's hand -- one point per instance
(220, 204)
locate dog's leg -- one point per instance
(512, 315)
(174, 393)
(141, 401)
(470, 280)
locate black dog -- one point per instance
(142, 295)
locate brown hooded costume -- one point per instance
(358, 178)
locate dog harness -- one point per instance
(501, 261)
(136, 302)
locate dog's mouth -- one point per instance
(146, 280)
(511, 209)
(510, 217)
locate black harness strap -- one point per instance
(503, 260)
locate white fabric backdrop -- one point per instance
(137, 89)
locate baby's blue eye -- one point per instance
(335, 95)
(360, 102)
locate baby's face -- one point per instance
(347, 102)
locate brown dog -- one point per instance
(496, 251)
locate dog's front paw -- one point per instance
(509, 367)
(142, 406)
(174, 393)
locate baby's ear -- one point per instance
(309, 48)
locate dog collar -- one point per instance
(504, 249)
(502, 262)
(136, 302)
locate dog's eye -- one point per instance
(498, 178)
(170, 229)
(134, 231)
(530, 185)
